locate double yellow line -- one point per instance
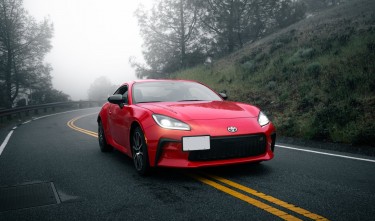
(74, 127)
(233, 188)
(220, 182)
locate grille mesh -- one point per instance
(231, 147)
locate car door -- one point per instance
(120, 120)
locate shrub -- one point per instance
(271, 85)
(259, 57)
(295, 59)
(343, 39)
(314, 69)
(275, 46)
(371, 47)
(300, 55)
(365, 135)
(306, 53)
(306, 103)
(249, 66)
(287, 126)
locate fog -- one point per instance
(92, 38)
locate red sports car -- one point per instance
(179, 123)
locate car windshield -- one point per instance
(172, 91)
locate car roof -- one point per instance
(158, 80)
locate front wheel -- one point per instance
(139, 151)
(104, 146)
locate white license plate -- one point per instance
(196, 143)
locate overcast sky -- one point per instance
(92, 38)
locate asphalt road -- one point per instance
(64, 174)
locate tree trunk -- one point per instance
(182, 36)
(8, 82)
(231, 28)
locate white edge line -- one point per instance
(5, 142)
(26, 122)
(323, 153)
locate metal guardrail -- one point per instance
(26, 110)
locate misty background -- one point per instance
(91, 39)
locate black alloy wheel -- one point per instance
(104, 146)
(139, 151)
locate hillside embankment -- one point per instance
(315, 79)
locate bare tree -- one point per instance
(23, 45)
(170, 35)
(100, 89)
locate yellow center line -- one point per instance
(268, 198)
(74, 127)
(277, 212)
(283, 215)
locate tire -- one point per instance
(104, 146)
(139, 152)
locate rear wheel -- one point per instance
(104, 146)
(139, 151)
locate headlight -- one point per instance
(170, 123)
(263, 119)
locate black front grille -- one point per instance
(231, 147)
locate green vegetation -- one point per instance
(315, 79)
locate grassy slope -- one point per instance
(315, 79)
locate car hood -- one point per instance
(203, 110)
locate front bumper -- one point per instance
(251, 143)
(224, 151)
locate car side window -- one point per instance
(122, 90)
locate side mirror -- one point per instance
(223, 95)
(118, 99)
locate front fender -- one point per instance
(103, 117)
